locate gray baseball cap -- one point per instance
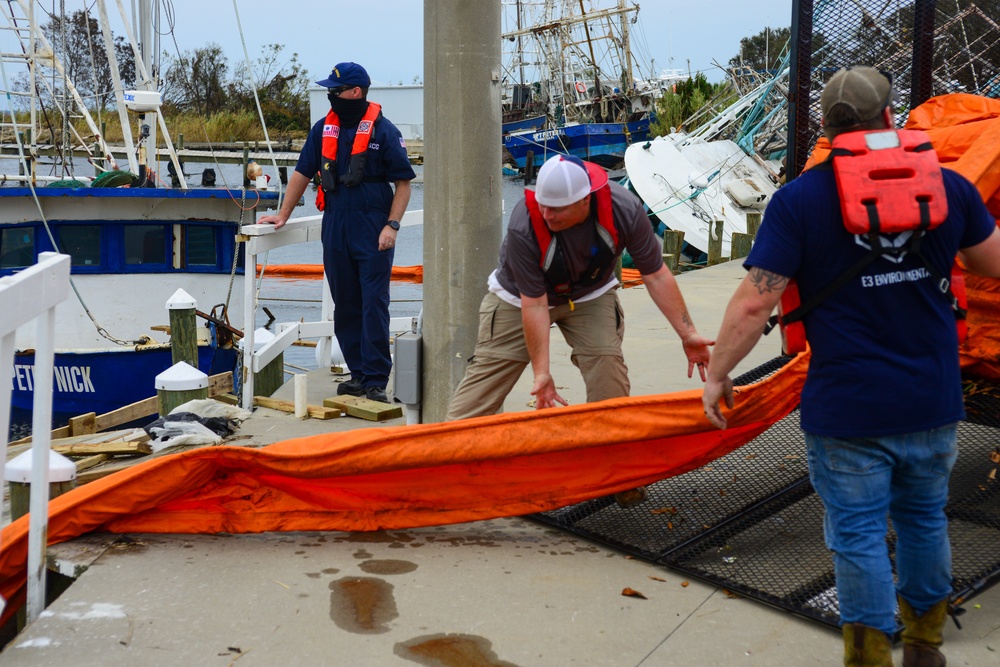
(864, 91)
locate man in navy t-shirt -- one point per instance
(883, 392)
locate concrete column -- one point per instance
(462, 180)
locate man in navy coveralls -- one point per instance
(361, 214)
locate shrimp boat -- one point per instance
(570, 83)
(133, 242)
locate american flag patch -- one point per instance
(331, 131)
(402, 142)
(365, 126)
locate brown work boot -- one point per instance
(866, 647)
(632, 497)
(922, 634)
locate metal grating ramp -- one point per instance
(751, 523)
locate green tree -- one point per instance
(761, 51)
(78, 42)
(196, 81)
(676, 105)
(282, 86)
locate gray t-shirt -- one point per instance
(519, 271)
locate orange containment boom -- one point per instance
(413, 274)
(410, 476)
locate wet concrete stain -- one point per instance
(362, 605)
(462, 541)
(375, 537)
(450, 650)
(362, 554)
(387, 566)
(317, 575)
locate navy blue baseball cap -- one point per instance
(346, 74)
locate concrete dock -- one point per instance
(492, 593)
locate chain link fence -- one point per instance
(927, 47)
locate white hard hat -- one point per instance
(566, 179)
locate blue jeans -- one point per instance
(860, 481)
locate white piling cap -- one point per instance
(18, 469)
(261, 337)
(181, 377)
(181, 300)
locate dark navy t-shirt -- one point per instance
(884, 347)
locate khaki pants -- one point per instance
(593, 329)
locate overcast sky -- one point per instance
(386, 36)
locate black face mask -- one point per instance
(350, 112)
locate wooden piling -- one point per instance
(753, 223)
(183, 328)
(246, 162)
(183, 336)
(740, 245)
(269, 379)
(529, 167)
(177, 385)
(715, 243)
(20, 496)
(673, 242)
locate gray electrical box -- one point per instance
(406, 370)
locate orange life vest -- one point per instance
(888, 181)
(553, 261)
(329, 177)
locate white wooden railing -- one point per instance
(33, 294)
(261, 238)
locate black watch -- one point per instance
(394, 224)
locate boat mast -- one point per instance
(520, 46)
(33, 82)
(147, 137)
(626, 49)
(67, 155)
(598, 88)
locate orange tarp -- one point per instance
(408, 476)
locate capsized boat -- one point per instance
(689, 184)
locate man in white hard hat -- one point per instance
(557, 266)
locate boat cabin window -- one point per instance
(82, 242)
(17, 247)
(145, 244)
(200, 247)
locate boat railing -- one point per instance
(259, 239)
(32, 295)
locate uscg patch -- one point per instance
(365, 126)
(331, 130)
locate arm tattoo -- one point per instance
(766, 281)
